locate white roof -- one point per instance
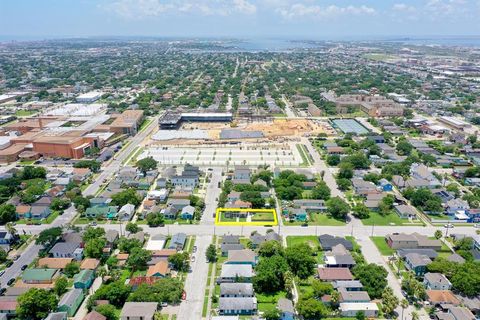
(357, 306)
(90, 95)
(155, 244)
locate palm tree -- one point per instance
(11, 229)
(415, 315)
(404, 305)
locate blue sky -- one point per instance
(246, 18)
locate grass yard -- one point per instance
(145, 124)
(382, 246)
(268, 302)
(24, 113)
(263, 216)
(312, 241)
(322, 219)
(389, 220)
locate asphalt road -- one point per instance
(213, 191)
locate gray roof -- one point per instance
(245, 255)
(64, 247)
(435, 277)
(177, 239)
(418, 259)
(226, 247)
(231, 239)
(456, 258)
(111, 235)
(347, 284)
(432, 254)
(139, 309)
(328, 242)
(352, 296)
(239, 134)
(236, 270)
(56, 316)
(70, 297)
(237, 304)
(285, 305)
(242, 289)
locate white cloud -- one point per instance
(402, 7)
(138, 9)
(301, 10)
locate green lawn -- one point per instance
(391, 219)
(48, 220)
(382, 246)
(268, 302)
(145, 124)
(24, 113)
(312, 241)
(263, 216)
(316, 219)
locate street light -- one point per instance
(448, 226)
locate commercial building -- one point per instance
(171, 120)
(89, 97)
(128, 122)
(454, 123)
(373, 105)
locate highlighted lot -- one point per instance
(245, 217)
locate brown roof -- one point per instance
(122, 256)
(81, 171)
(22, 209)
(442, 296)
(164, 253)
(334, 274)
(136, 281)
(94, 315)
(89, 263)
(54, 263)
(8, 305)
(160, 268)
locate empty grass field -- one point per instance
(382, 246)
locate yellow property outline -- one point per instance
(255, 223)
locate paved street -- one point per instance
(196, 282)
(213, 191)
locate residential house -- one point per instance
(188, 213)
(178, 204)
(353, 296)
(420, 171)
(363, 188)
(58, 316)
(412, 241)
(334, 274)
(298, 214)
(108, 212)
(310, 204)
(349, 285)
(90, 264)
(241, 173)
(71, 301)
(39, 276)
(237, 306)
(157, 195)
(94, 315)
(8, 306)
(84, 279)
(138, 310)
(339, 256)
(286, 309)
(23, 211)
(256, 239)
(53, 263)
(236, 290)
(160, 269)
(439, 297)
(328, 242)
(432, 254)
(236, 273)
(126, 212)
(348, 309)
(417, 263)
(177, 241)
(436, 281)
(64, 249)
(188, 179)
(455, 313)
(245, 256)
(135, 282)
(169, 212)
(39, 212)
(405, 211)
(100, 202)
(455, 206)
(111, 236)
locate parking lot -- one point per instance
(254, 155)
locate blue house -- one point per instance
(299, 214)
(188, 213)
(285, 306)
(100, 202)
(385, 185)
(84, 279)
(417, 263)
(39, 212)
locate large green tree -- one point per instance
(36, 304)
(146, 164)
(269, 274)
(300, 260)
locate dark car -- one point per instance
(25, 266)
(8, 263)
(2, 291)
(11, 281)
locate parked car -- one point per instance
(8, 263)
(10, 282)
(25, 266)
(2, 291)
(194, 248)
(164, 304)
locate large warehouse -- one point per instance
(172, 120)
